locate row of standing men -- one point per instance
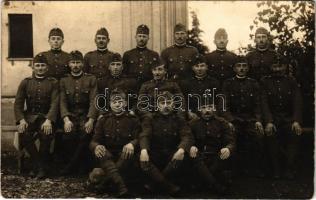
(279, 99)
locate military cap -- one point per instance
(96, 174)
(241, 59)
(142, 29)
(200, 59)
(56, 32)
(40, 58)
(103, 31)
(220, 32)
(117, 94)
(262, 30)
(179, 27)
(76, 55)
(158, 62)
(116, 57)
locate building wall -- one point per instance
(79, 21)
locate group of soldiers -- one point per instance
(260, 112)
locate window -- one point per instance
(20, 36)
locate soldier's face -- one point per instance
(159, 72)
(55, 42)
(101, 41)
(76, 66)
(165, 106)
(141, 40)
(180, 37)
(241, 69)
(116, 68)
(118, 105)
(40, 69)
(261, 40)
(207, 111)
(221, 42)
(200, 69)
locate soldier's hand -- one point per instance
(179, 155)
(132, 113)
(47, 127)
(68, 126)
(144, 159)
(259, 128)
(296, 127)
(192, 116)
(22, 126)
(99, 151)
(88, 126)
(232, 127)
(270, 129)
(193, 151)
(224, 153)
(128, 151)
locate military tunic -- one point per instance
(221, 64)
(57, 63)
(260, 63)
(97, 62)
(137, 63)
(179, 61)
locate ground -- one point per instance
(19, 186)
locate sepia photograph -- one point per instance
(157, 99)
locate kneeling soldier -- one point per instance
(214, 143)
(164, 140)
(77, 94)
(40, 93)
(115, 139)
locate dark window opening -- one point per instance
(20, 36)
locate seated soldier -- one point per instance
(243, 106)
(282, 111)
(40, 93)
(214, 143)
(115, 140)
(164, 140)
(197, 86)
(77, 109)
(115, 80)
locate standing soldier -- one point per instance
(56, 58)
(164, 141)
(261, 59)
(78, 112)
(97, 62)
(138, 61)
(40, 93)
(221, 61)
(179, 57)
(282, 109)
(243, 104)
(116, 80)
(115, 139)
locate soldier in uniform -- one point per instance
(40, 93)
(282, 111)
(221, 61)
(97, 62)
(116, 80)
(115, 139)
(56, 58)
(164, 140)
(150, 89)
(214, 143)
(261, 59)
(243, 105)
(138, 61)
(77, 108)
(198, 86)
(179, 57)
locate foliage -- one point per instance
(194, 35)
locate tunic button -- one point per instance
(117, 130)
(77, 94)
(140, 65)
(181, 68)
(164, 130)
(222, 74)
(222, 61)
(261, 61)
(207, 132)
(117, 121)
(141, 72)
(56, 66)
(140, 59)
